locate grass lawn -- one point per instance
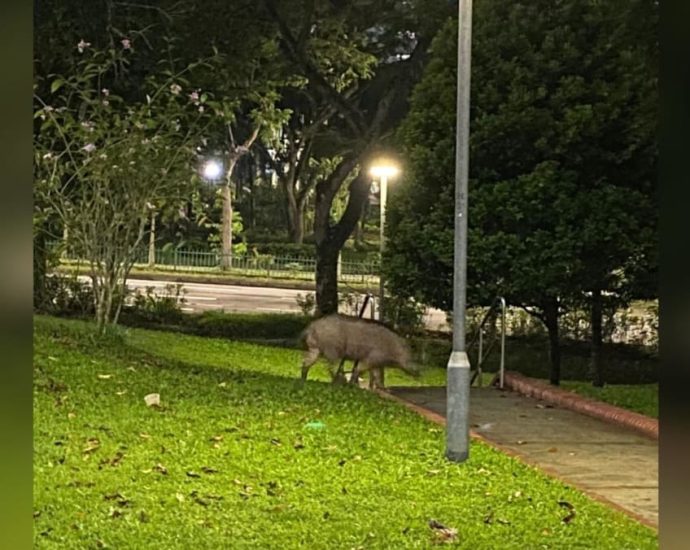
(641, 398)
(238, 457)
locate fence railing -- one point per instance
(269, 266)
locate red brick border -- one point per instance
(569, 400)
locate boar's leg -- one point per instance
(310, 357)
(375, 378)
(354, 377)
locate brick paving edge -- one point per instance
(441, 421)
(531, 387)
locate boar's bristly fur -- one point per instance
(373, 345)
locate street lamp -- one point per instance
(383, 169)
(212, 170)
(458, 382)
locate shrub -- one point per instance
(162, 308)
(66, 296)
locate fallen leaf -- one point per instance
(521, 442)
(222, 384)
(121, 392)
(132, 369)
(115, 461)
(160, 468)
(208, 470)
(37, 513)
(276, 442)
(144, 435)
(105, 376)
(192, 474)
(152, 400)
(443, 533)
(114, 513)
(71, 415)
(216, 438)
(564, 504)
(92, 444)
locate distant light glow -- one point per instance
(212, 170)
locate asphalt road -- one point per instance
(202, 297)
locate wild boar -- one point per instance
(370, 343)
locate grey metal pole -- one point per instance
(383, 198)
(458, 385)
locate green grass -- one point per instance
(641, 398)
(229, 460)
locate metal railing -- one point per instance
(269, 266)
(482, 354)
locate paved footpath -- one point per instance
(610, 463)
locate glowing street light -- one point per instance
(212, 170)
(383, 169)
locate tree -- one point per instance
(561, 159)
(364, 68)
(103, 161)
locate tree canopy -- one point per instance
(562, 158)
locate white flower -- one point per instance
(126, 43)
(175, 89)
(105, 92)
(87, 125)
(89, 147)
(83, 45)
(106, 102)
(150, 206)
(48, 156)
(201, 108)
(194, 96)
(103, 156)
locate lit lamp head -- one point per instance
(383, 169)
(212, 170)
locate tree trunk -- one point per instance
(226, 250)
(551, 322)
(152, 240)
(596, 367)
(327, 278)
(295, 216)
(331, 238)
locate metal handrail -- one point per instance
(480, 339)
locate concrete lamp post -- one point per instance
(383, 169)
(458, 384)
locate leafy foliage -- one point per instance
(562, 159)
(103, 161)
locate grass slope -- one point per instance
(641, 398)
(231, 460)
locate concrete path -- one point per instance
(610, 463)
